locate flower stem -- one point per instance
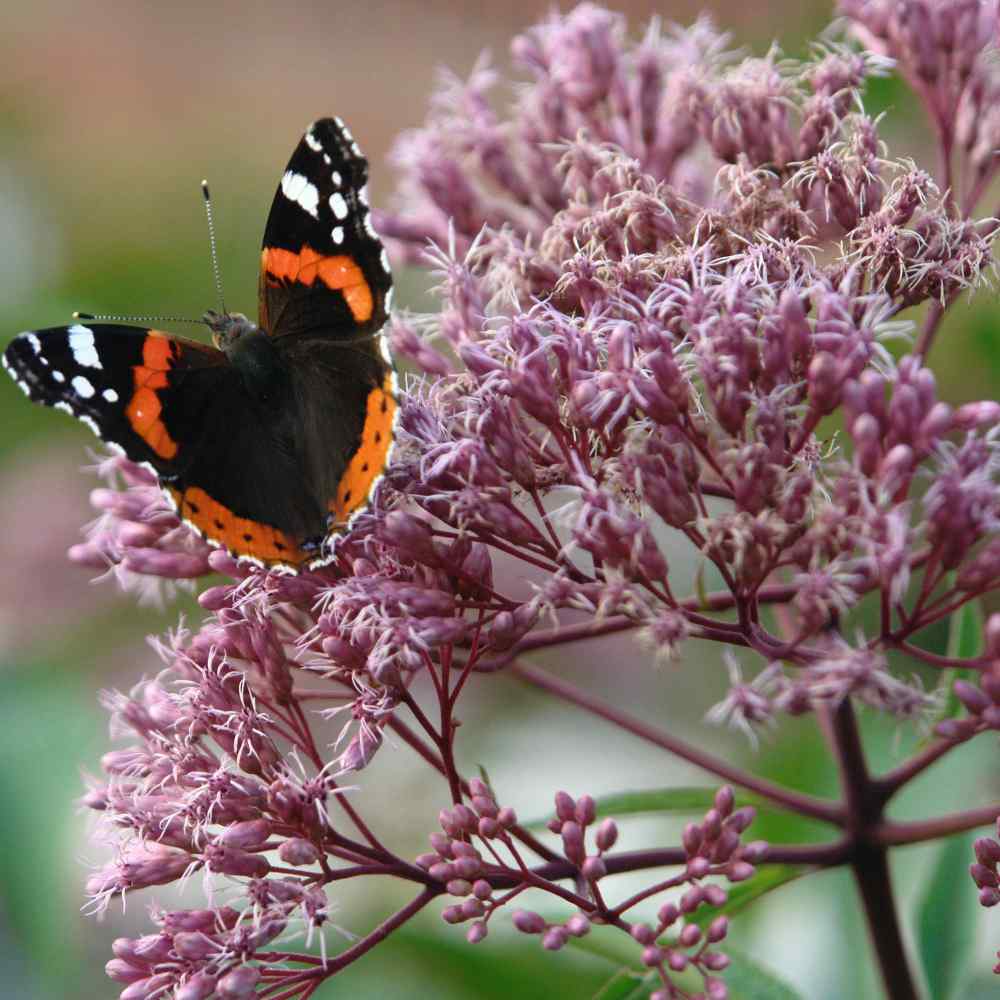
(806, 805)
(869, 858)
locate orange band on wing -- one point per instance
(369, 461)
(239, 534)
(144, 408)
(339, 273)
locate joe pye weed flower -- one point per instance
(689, 301)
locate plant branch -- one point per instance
(806, 805)
(869, 858)
(917, 831)
(889, 783)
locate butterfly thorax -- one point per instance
(251, 352)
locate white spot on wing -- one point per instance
(388, 300)
(384, 260)
(326, 159)
(110, 395)
(338, 234)
(363, 195)
(36, 344)
(58, 376)
(82, 387)
(345, 131)
(296, 187)
(65, 407)
(337, 205)
(336, 178)
(369, 228)
(90, 423)
(81, 343)
(312, 142)
(383, 346)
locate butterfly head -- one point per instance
(227, 328)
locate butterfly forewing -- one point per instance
(324, 270)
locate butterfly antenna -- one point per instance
(137, 319)
(211, 240)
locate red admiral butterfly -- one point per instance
(271, 441)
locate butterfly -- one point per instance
(270, 441)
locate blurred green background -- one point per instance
(110, 115)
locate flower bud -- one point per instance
(298, 852)
(527, 922)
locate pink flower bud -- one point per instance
(652, 956)
(229, 861)
(238, 984)
(195, 946)
(565, 806)
(607, 834)
(716, 989)
(507, 818)
(585, 810)
(699, 867)
(739, 871)
(690, 936)
(146, 989)
(527, 922)
(298, 852)
(554, 938)
(121, 972)
(715, 961)
(477, 932)
(572, 838)
(199, 987)
(251, 833)
(642, 933)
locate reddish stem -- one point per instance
(806, 805)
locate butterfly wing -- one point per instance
(227, 463)
(120, 381)
(325, 293)
(324, 271)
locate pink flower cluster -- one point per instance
(667, 275)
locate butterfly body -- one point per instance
(269, 442)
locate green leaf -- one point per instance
(965, 636)
(766, 879)
(946, 917)
(699, 587)
(748, 980)
(690, 799)
(424, 959)
(965, 641)
(626, 984)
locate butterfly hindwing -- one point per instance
(324, 270)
